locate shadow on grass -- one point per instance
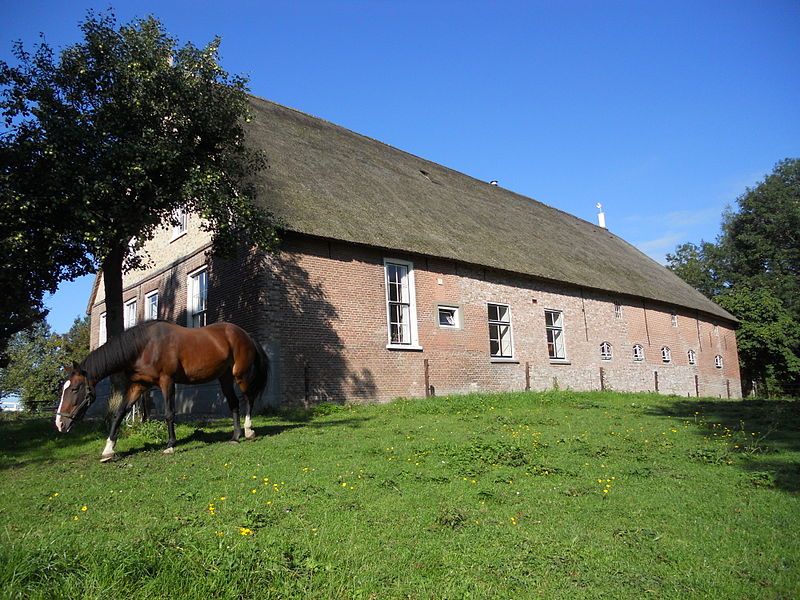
(29, 440)
(33, 439)
(764, 433)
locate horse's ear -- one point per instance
(76, 366)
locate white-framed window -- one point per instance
(102, 333)
(666, 354)
(617, 311)
(554, 324)
(606, 351)
(501, 341)
(692, 356)
(674, 319)
(151, 306)
(718, 361)
(197, 301)
(449, 317)
(129, 314)
(638, 353)
(401, 310)
(180, 223)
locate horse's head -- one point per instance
(76, 396)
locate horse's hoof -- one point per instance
(233, 442)
(107, 457)
(250, 435)
(169, 451)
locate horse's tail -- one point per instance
(259, 373)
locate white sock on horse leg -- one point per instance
(109, 449)
(248, 426)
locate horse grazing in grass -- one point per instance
(157, 353)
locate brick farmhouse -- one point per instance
(399, 277)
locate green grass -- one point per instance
(553, 495)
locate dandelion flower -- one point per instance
(84, 508)
(245, 531)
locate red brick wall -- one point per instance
(320, 309)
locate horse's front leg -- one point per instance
(131, 396)
(167, 386)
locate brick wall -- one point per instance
(319, 308)
(327, 325)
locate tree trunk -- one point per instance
(115, 325)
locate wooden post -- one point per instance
(305, 381)
(527, 377)
(655, 375)
(427, 379)
(697, 386)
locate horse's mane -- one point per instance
(120, 351)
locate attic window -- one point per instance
(427, 176)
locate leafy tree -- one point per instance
(103, 143)
(761, 241)
(37, 359)
(768, 336)
(753, 270)
(34, 369)
(699, 266)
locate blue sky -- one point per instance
(662, 111)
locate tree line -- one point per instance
(36, 360)
(753, 271)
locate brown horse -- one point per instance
(157, 353)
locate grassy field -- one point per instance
(553, 495)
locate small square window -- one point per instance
(718, 361)
(692, 356)
(617, 311)
(674, 319)
(606, 353)
(449, 317)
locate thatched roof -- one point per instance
(330, 182)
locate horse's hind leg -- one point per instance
(249, 434)
(241, 381)
(226, 382)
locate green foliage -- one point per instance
(698, 265)
(768, 335)
(368, 502)
(753, 271)
(37, 358)
(760, 241)
(104, 141)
